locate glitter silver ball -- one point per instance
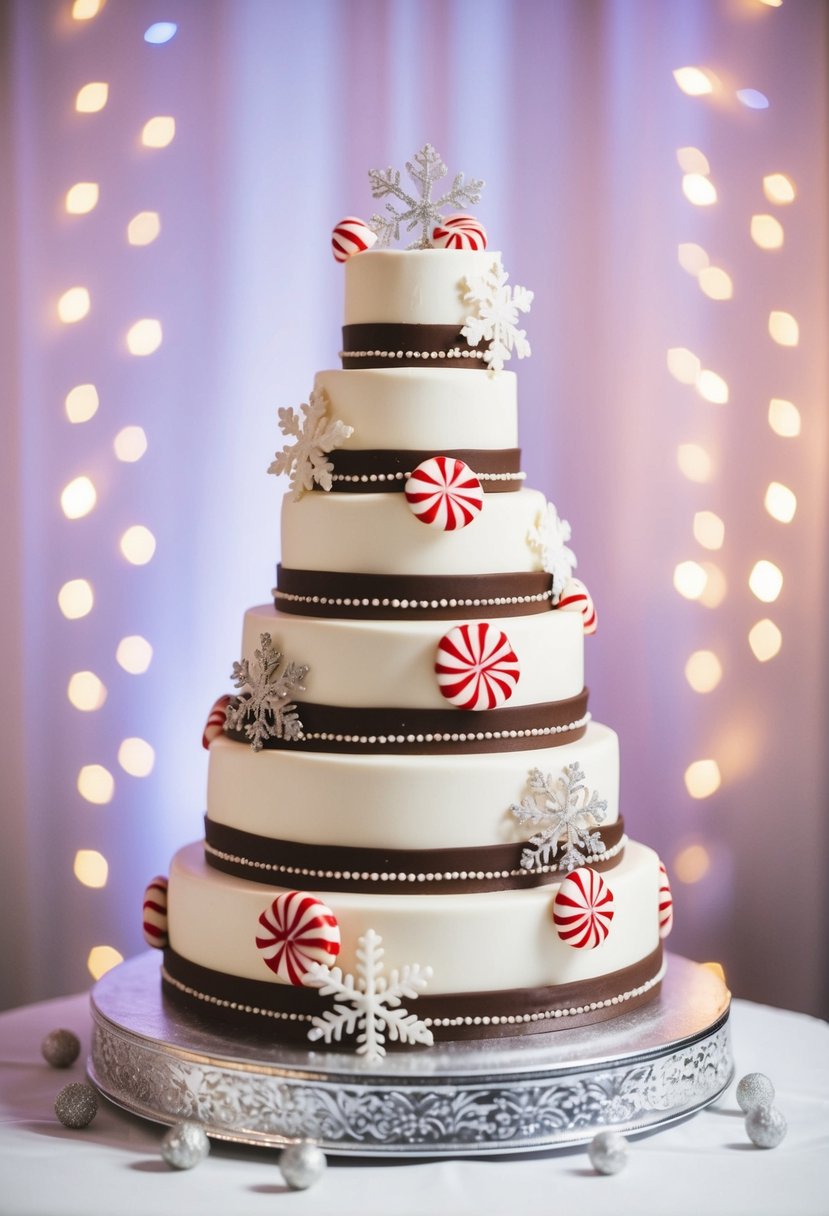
(302, 1165)
(185, 1145)
(766, 1126)
(755, 1089)
(608, 1152)
(76, 1105)
(60, 1048)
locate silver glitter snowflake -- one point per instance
(549, 539)
(264, 711)
(566, 814)
(424, 211)
(315, 435)
(370, 1006)
(495, 316)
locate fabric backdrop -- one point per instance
(571, 112)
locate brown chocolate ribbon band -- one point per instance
(385, 470)
(340, 728)
(388, 345)
(325, 867)
(284, 1012)
(416, 597)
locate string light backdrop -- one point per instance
(656, 173)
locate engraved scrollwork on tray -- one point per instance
(377, 1112)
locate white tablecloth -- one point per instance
(704, 1166)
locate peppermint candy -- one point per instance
(215, 721)
(301, 930)
(476, 666)
(155, 913)
(583, 909)
(352, 235)
(444, 493)
(459, 232)
(576, 598)
(666, 903)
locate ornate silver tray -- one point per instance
(513, 1095)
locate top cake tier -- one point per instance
(412, 286)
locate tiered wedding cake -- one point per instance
(413, 829)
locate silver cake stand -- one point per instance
(512, 1095)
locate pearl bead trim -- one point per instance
(455, 353)
(381, 876)
(482, 1020)
(375, 477)
(462, 737)
(376, 602)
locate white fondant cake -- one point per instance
(408, 754)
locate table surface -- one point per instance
(704, 1164)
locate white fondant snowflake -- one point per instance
(566, 813)
(315, 436)
(549, 539)
(370, 1006)
(424, 211)
(495, 316)
(265, 712)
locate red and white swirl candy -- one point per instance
(459, 231)
(216, 721)
(444, 493)
(476, 666)
(576, 598)
(300, 930)
(155, 913)
(583, 909)
(666, 903)
(352, 235)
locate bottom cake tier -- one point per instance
(498, 963)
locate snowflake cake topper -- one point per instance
(264, 712)
(565, 812)
(549, 539)
(495, 316)
(315, 435)
(370, 1005)
(424, 212)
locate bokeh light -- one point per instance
(691, 864)
(81, 403)
(143, 228)
(784, 418)
(144, 337)
(765, 640)
(699, 190)
(158, 132)
(712, 387)
(766, 581)
(137, 545)
(702, 778)
(78, 498)
(694, 462)
(696, 82)
(692, 258)
(783, 328)
(703, 671)
(778, 188)
(82, 198)
(73, 305)
(86, 691)
(85, 10)
(96, 784)
(780, 502)
(683, 365)
(709, 530)
(76, 598)
(714, 591)
(766, 232)
(102, 959)
(92, 97)
(136, 757)
(130, 444)
(91, 868)
(753, 99)
(716, 283)
(690, 579)
(160, 32)
(691, 160)
(134, 654)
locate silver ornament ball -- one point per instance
(60, 1048)
(608, 1152)
(302, 1165)
(766, 1126)
(76, 1105)
(755, 1089)
(185, 1145)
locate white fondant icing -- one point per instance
(393, 801)
(411, 287)
(431, 409)
(472, 942)
(377, 534)
(392, 663)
